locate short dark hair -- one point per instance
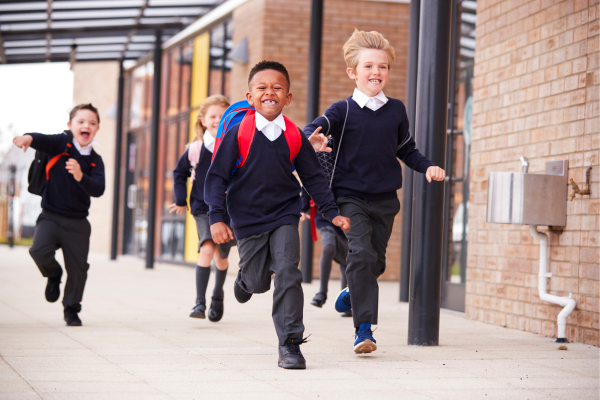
(84, 107)
(264, 65)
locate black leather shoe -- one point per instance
(240, 294)
(319, 300)
(290, 356)
(53, 289)
(199, 309)
(71, 317)
(216, 309)
(347, 313)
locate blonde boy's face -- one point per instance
(372, 72)
(212, 118)
(84, 126)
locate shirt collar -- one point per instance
(262, 122)
(361, 99)
(209, 141)
(85, 150)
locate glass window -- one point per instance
(221, 44)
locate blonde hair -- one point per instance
(214, 100)
(361, 40)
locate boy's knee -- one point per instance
(207, 248)
(363, 256)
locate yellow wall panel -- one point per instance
(199, 92)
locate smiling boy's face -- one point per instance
(84, 126)
(269, 93)
(372, 72)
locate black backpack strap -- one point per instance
(69, 142)
(95, 158)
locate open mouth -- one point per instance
(85, 135)
(269, 102)
(375, 81)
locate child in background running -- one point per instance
(194, 164)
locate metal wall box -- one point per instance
(529, 199)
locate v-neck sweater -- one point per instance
(368, 166)
(263, 194)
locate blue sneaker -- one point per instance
(342, 303)
(364, 342)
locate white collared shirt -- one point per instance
(209, 141)
(86, 150)
(271, 129)
(373, 103)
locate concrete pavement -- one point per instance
(137, 342)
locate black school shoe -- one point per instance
(240, 294)
(71, 317)
(198, 310)
(53, 288)
(290, 356)
(319, 300)
(216, 309)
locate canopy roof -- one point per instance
(90, 30)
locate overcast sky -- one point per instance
(34, 98)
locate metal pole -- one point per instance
(312, 111)
(117, 187)
(428, 207)
(407, 182)
(11, 205)
(154, 128)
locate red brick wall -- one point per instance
(287, 43)
(536, 94)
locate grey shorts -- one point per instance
(330, 237)
(203, 227)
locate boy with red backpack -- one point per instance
(74, 173)
(251, 177)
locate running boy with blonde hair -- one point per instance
(375, 133)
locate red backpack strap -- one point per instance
(51, 163)
(245, 137)
(293, 138)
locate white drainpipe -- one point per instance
(567, 302)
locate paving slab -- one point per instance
(137, 342)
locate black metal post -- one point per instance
(407, 181)
(428, 205)
(12, 190)
(312, 111)
(153, 173)
(117, 178)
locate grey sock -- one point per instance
(343, 278)
(202, 275)
(326, 260)
(219, 282)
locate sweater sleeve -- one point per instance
(314, 180)
(49, 144)
(219, 176)
(407, 150)
(94, 184)
(328, 121)
(181, 173)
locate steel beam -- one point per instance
(154, 131)
(117, 179)
(428, 204)
(407, 181)
(312, 112)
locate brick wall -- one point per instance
(535, 94)
(270, 39)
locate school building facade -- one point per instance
(524, 82)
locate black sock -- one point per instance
(219, 282)
(326, 260)
(202, 275)
(343, 278)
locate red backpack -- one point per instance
(247, 129)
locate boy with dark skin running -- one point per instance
(263, 200)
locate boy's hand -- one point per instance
(74, 169)
(23, 142)
(435, 173)
(319, 141)
(221, 233)
(304, 216)
(342, 222)
(174, 208)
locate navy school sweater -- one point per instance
(180, 175)
(368, 166)
(263, 194)
(63, 195)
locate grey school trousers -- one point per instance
(53, 231)
(371, 225)
(275, 252)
